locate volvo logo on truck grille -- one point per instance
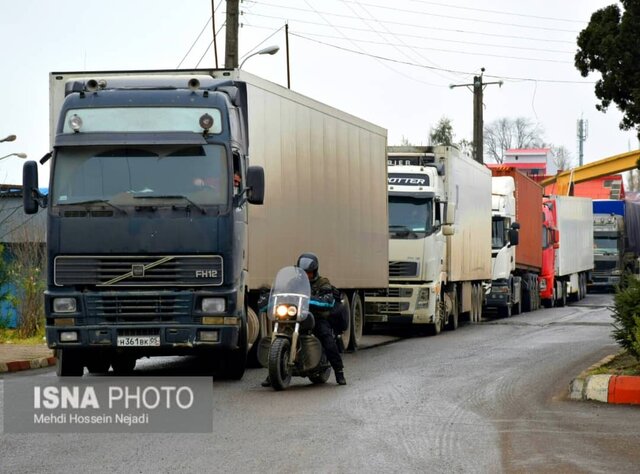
(137, 270)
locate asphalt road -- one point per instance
(486, 398)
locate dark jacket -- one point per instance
(321, 291)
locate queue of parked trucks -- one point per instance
(142, 261)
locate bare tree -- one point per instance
(506, 133)
(562, 157)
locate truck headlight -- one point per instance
(213, 305)
(64, 305)
(423, 298)
(616, 272)
(543, 285)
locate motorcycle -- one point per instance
(292, 350)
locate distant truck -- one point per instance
(610, 247)
(152, 246)
(567, 249)
(439, 239)
(516, 242)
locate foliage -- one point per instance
(506, 133)
(27, 273)
(609, 45)
(442, 133)
(4, 280)
(626, 315)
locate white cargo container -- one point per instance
(574, 221)
(440, 238)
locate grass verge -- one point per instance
(622, 364)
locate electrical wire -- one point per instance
(414, 12)
(199, 35)
(210, 44)
(263, 41)
(454, 71)
(423, 27)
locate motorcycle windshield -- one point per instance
(291, 287)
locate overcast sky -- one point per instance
(388, 62)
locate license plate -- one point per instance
(138, 341)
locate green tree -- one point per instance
(442, 133)
(609, 45)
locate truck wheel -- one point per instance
(279, 372)
(346, 335)
(504, 311)
(235, 361)
(254, 323)
(123, 364)
(357, 321)
(441, 311)
(562, 300)
(68, 363)
(452, 324)
(99, 365)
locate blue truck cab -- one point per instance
(147, 222)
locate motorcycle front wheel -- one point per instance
(279, 372)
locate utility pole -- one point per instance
(213, 23)
(478, 122)
(231, 45)
(583, 130)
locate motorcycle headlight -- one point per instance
(284, 311)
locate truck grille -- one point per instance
(386, 308)
(403, 269)
(604, 265)
(138, 308)
(390, 292)
(147, 270)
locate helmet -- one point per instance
(309, 263)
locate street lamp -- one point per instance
(19, 155)
(10, 138)
(268, 50)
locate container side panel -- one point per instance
(575, 223)
(529, 216)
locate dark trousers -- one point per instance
(322, 330)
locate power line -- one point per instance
(443, 40)
(198, 37)
(453, 71)
(415, 12)
(423, 27)
(210, 44)
(523, 15)
(262, 42)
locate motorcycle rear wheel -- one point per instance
(279, 372)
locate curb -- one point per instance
(619, 389)
(18, 365)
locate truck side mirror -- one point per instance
(30, 187)
(255, 185)
(514, 237)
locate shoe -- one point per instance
(266, 382)
(340, 378)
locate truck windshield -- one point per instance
(410, 218)
(120, 174)
(604, 245)
(498, 233)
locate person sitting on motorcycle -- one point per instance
(322, 292)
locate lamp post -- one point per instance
(267, 50)
(19, 155)
(9, 138)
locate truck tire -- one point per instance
(562, 299)
(123, 364)
(99, 365)
(441, 310)
(357, 322)
(68, 363)
(252, 356)
(234, 362)
(279, 373)
(346, 335)
(452, 324)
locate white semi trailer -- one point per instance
(439, 239)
